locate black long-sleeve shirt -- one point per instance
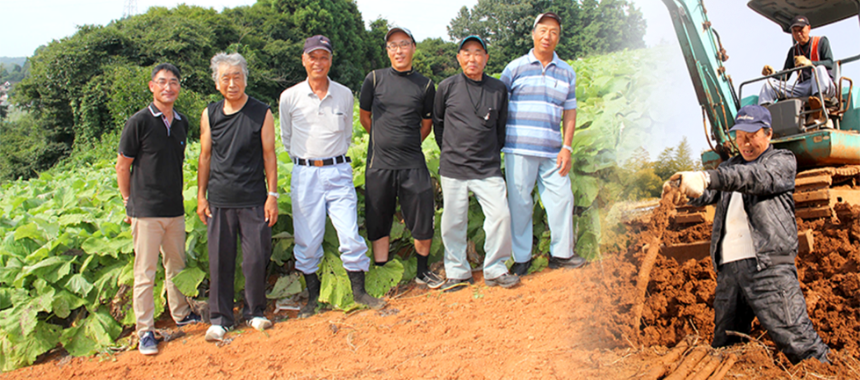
(825, 57)
(469, 123)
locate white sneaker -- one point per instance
(260, 323)
(215, 333)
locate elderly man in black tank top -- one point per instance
(238, 167)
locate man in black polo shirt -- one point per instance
(396, 104)
(149, 175)
(469, 118)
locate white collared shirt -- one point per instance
(314, 128)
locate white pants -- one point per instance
(774, 88)
(490, 193)
(315, 192)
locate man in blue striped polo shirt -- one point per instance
(542, 91)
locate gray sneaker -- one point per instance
(148, 345)
(432, 280)
(574, 261)
(453, 285)
(215, 333)
(506, 280)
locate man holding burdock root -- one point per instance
(754, 241)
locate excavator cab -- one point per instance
(793, 115)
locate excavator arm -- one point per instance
(704, 56)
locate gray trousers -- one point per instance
(256, 237)
(490, 193)
(773, 295)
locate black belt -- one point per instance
(325, 162)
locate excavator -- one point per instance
(827, 148)
(824, 135)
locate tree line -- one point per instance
(79, 90)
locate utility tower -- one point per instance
(130, 8)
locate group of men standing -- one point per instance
(529, 114)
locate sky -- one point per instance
(758, 42)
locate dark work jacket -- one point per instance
(767, 186)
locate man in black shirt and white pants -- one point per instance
(237, 193)
(396, 105)
(153, 143)
(469, 119)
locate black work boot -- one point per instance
(313, 282)
(356, 279)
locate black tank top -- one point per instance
(237, 175)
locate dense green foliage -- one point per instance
(66, 257)
(588, 27)
(79, 89)
(13, 72)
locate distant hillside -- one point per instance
(11, 61)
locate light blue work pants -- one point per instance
(521, 173)
(315, 192)
(490, 193)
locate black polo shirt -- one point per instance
(156, 172)
(399, 101)
(469, 123)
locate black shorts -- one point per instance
(383, 187)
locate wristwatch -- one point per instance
(568, 147)
(274, 194)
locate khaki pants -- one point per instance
(152, 235)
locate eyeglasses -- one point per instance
(393, 46)
(165, 83)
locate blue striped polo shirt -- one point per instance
(538, 96)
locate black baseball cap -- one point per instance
(547, 15)
(799, 20)
(399, 29)
(473, 38)
(752, 118)
(318, 42)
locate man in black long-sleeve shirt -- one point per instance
(469, 117)
(812, 52)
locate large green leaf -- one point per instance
(64, 302)
(286, 286)
(585, 189)
(188, 280)
(335, 288)
(79, 284)
(95, 333)
(380, 279)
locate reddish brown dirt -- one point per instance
(565, 324)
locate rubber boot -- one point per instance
(356, 279)
(313, 282)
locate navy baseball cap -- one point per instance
(799, 20)
(399, 29)
(318, 42)
(473, 38)
(752, 118)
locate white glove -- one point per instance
(693, 184)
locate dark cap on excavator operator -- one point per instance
(799, 20)
(752, 118)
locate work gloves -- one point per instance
(690, 185)
(800, 60)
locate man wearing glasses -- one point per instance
(396, 107)
(149, 175)
(316, 129)
(542, 91)
(469, 119)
